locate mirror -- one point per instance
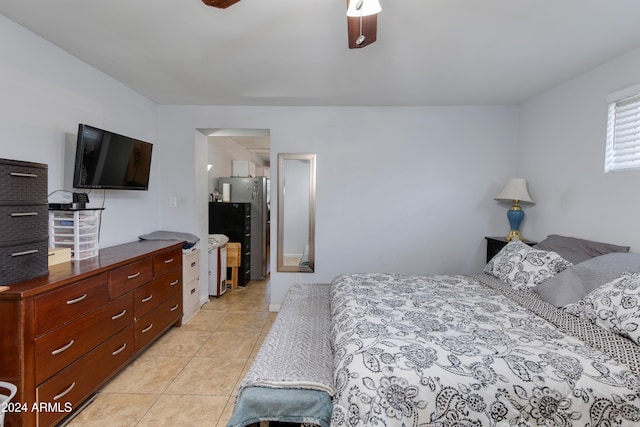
(296, 212)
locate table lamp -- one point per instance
(515, 192)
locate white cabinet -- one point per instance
(243, 168)
(217, 270)
(77, 230)
(190, 283)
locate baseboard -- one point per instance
(274, 308)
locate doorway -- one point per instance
(226, 149)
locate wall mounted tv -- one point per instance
(110, 161)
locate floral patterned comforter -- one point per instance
(448, 350)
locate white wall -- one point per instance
(561, 147)
(45, 94)
(399, 189)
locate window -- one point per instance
(623, 131)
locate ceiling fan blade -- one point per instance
(369, 30)
(221, 4)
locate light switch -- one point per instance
(173, 202)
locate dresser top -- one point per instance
(67, 272)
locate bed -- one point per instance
(536, 339)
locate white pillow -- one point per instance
(523, 267)
(614, 306)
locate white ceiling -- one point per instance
(285, 52)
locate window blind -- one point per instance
(623, 134)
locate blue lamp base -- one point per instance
(515, 216)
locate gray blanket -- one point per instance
(297, 351)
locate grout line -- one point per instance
(148, 409)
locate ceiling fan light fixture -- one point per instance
(359, 8)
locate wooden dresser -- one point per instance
(64, 335)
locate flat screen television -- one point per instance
(110, 161)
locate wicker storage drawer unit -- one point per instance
(23, 220)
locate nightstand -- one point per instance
(494, 244)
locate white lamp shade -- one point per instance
(363, 8)
(516, 189)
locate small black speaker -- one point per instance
(60, 206)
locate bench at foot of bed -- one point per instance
(290, 383)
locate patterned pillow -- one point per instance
(522, 267)
(614, 306)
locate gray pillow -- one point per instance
(577, 250)
(574, 283)
(170, 235)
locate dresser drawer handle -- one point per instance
(174, 283)
(147, 298)
(133, 276)
(19, 214)
(148, 328)
(32, 251)
(118, 351)
(63, 348)
(76, 300)
(23, 175)
(174, 308)
(119, 315)
(64, 393)
(168, 261)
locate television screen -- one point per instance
(110, 161)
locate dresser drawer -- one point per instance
(191, 265)
(167, 261)
(75, 383)
(63, 305)
(23, 222)
(23, 182)
(22, 261)
(154, 322)
(191, 298)
(152, 294)
(129, 277)
(59, 349)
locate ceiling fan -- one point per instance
(362, 19)
(362, 22)
(221, 4)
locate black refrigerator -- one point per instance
(234, 221)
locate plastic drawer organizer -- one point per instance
(77, 230)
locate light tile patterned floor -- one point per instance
(190, 375)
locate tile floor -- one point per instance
(190, 375)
